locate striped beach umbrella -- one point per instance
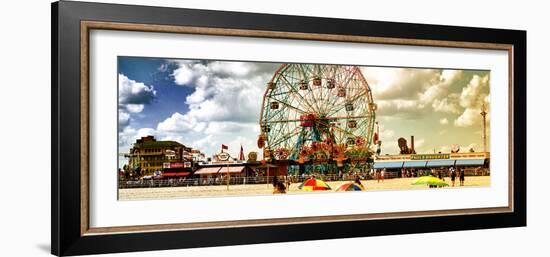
(429, 180)
(350, 186)
(314, 185)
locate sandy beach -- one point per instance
(263, 189)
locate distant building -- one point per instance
(151, 155)
(198, 156)
(471, 163)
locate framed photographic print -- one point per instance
(178, 128)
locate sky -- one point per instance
(203, 104)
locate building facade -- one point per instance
(472, 163)
(149, 155)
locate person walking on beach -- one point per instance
(452, 174)
(461, 176)
(382, 174)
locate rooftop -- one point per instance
(150, 144)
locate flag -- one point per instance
(241, 154)
(224, 147)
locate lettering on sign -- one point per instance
(429, 156)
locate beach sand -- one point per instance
(263, 189)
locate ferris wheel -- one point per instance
(313, 111)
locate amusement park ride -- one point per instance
(317, 118)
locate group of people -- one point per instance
(453, 173)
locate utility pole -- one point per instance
(484, 126)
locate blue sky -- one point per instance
(169, 96)
(203, 104)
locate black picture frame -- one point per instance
(66, 236)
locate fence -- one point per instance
(222, 180)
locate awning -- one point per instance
(388, 165)
(175, 174)
(232, 169)
(207, 171)
(415, 164)
(441, 163)
(470, 162)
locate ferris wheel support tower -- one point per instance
(484, 126)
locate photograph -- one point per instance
(275, 131)
(191, 128)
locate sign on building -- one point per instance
(429, 156)
(173, 165)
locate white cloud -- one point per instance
(135, 108)
(467, 118)
(448, 77)
(407, 91)
(208, 136)
(446, 105)
(133, 92)
(444, 121)
(179, 123)
(439, 93)
(433, 92)
(132, 97)
(472, 95)
(229, 100)
(441, 85)
(399, 83)
(123, 119)
(188, 72)
(404, 108)
(231, 69)
(224, 91)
